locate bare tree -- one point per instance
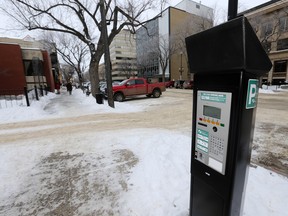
(163, 49)
(82, 19)
(269, 29)
(86, 76)
(146, 63)
(127, 68)
(72, 51)
(67, 72)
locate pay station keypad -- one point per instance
(216, 148)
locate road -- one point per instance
(270, 146)
(172, 114)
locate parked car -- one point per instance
(103, 86)
(86, 84)
(179, 84)
(114, 83)
(137, 86)
(170, 84)
(188, 84)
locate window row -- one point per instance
(268, 28)
(282, 44)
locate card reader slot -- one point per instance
(199, 123)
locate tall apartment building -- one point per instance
(123, 55)
(164, 39)
(270, 22)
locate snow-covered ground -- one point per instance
(133, 171)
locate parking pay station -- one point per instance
(227, 61)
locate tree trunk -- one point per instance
(106, 55)
(163, 75)
(80, 78)
(94, 75)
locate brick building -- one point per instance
(25, 64)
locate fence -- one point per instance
(21, 97)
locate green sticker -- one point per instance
(214, 97)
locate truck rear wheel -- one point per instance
(156, 93)
(119, 97)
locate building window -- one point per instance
(283, 26)
(282, 44)
(197, 6)
(267, 29)
(33, 67)
(280, 66)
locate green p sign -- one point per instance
(252, 93)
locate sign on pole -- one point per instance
(252, 93)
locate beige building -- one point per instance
(270, 22)
(123, 55)
(182, 25)
(161, 49)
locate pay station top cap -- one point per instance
(228, 47)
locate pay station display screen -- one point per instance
(212, 128)
(213, 112)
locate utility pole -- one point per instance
(106, 54)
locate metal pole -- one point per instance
(36, 92)
(41, 91)
(26, 96)
(232, 9)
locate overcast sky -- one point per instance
(221, 7)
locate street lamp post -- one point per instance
(232, 9)
(181, 69)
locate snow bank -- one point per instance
(272, 89)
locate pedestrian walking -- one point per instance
(69, 87)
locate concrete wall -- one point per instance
(177, 18)
(195, 8)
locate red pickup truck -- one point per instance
(137, 86)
